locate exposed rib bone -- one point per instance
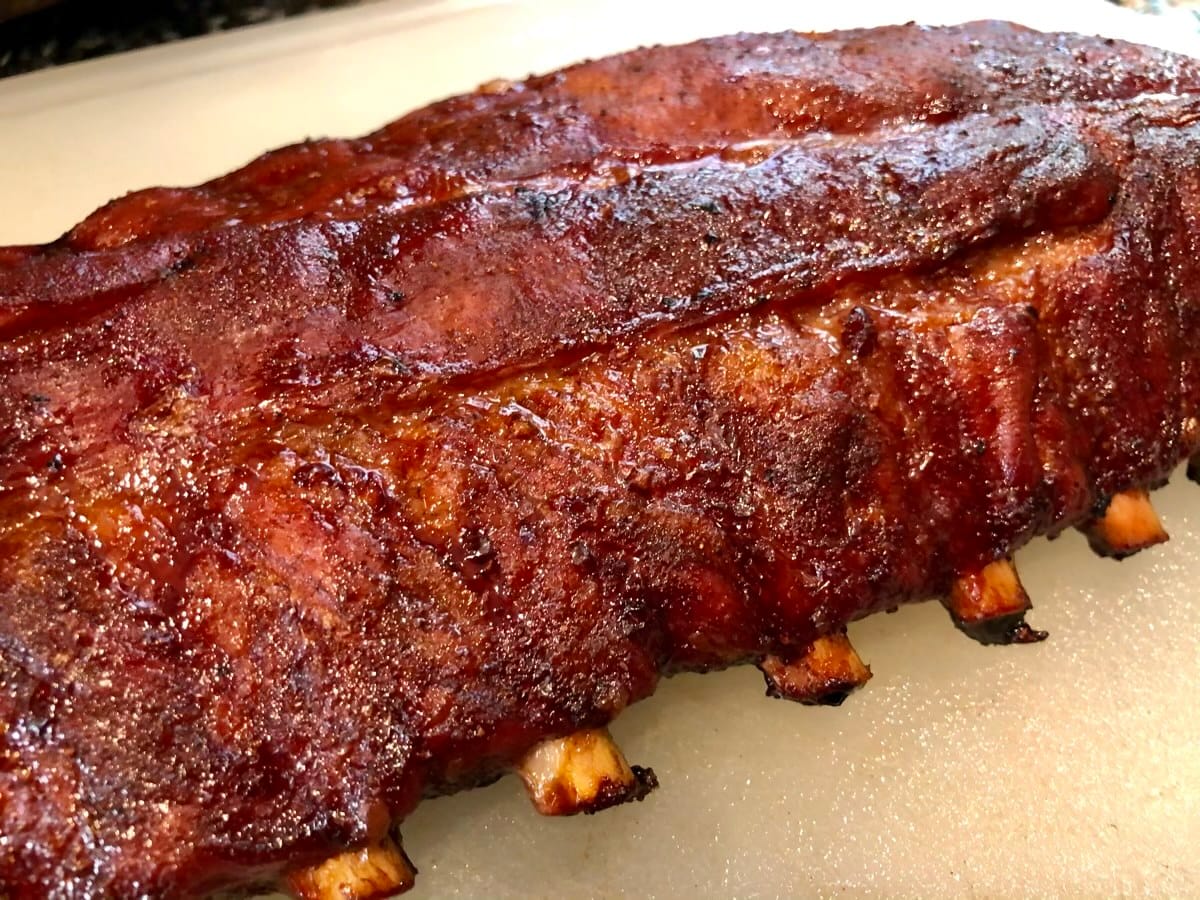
(378, 870)
(990, 606)
(825, 674)
(1128, 525)
(583, 772)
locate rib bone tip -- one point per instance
(1128, 524)
(990, 605)
(582, 773)
(381, 869)
(825, 674)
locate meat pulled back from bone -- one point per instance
(826, 672)
(373, 872)
(583, 772)
(373, 469)
(990, 605)
(1127, 525)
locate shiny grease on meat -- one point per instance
(381, 467)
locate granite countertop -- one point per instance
(71, 30)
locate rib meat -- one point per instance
(350, 477)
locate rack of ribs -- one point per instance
(382, 467)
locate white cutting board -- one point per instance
(1069, 768)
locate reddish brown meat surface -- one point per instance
(346, 478)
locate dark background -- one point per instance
(81, 29)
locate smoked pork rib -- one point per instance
(358, 474)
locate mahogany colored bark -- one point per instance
(346, 478)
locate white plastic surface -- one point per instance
(1070, 768)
